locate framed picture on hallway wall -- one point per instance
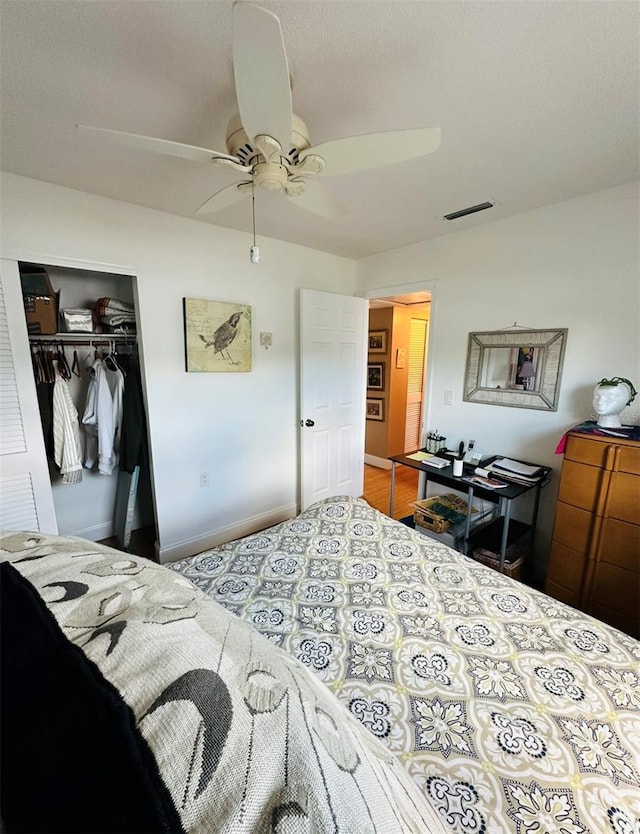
(377, 341)
(375, 376)
(375, 409)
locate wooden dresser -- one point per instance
(595, 553)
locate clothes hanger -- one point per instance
(36, 361)
(110, 359)
(50, 367)
(63, 366)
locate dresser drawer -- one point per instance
(620, 545)
(615, 595)
(623, 500)
(628, 459)
(562, 594)
(566, 569)
(594, 451)
(580, 484)
(627, 621)
(584, 450)
(573, 527)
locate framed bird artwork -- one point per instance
(217, 336)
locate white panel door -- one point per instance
(332, 394)
(26, 501)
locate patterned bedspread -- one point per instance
(512, 711)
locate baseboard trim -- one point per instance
(246, 527)
(95, 533)
(381, 463)
(98, 532)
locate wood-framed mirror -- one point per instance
(517, 367)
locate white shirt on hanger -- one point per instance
(66, 433)
(98, 421)
(115, 379)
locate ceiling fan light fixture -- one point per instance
(455, 215)
(270, 175)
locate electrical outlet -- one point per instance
(448, 397)
(204, 479)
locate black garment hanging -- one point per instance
(133, 449)
(133, 438)
(44, 391)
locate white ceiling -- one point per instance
(537, 101)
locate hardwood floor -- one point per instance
(377, 488)
(142, 543)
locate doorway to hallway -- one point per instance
(397, 380)
(377, 489)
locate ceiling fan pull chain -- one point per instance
(254, 252)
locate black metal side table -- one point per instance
(503, 497)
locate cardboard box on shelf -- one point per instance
(40, 301)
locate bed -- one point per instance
(511, 711)
(338, 672)
(132, 703)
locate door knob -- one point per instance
(309, 423)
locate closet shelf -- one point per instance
(82, 337)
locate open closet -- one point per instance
(90, 406)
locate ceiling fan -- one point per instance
(267, 144)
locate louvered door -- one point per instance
(415, 383)
(26, 501)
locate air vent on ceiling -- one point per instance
(470, 210)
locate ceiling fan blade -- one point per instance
(261, 73)
(375, 150)
(223, 198)
(318, 199)
(164, 146)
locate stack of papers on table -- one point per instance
(429, 458)
(515, 470)
(420, 456)
(484, 481)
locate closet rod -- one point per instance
(84, 339)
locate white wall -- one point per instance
(576, 265)
(242, 428)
